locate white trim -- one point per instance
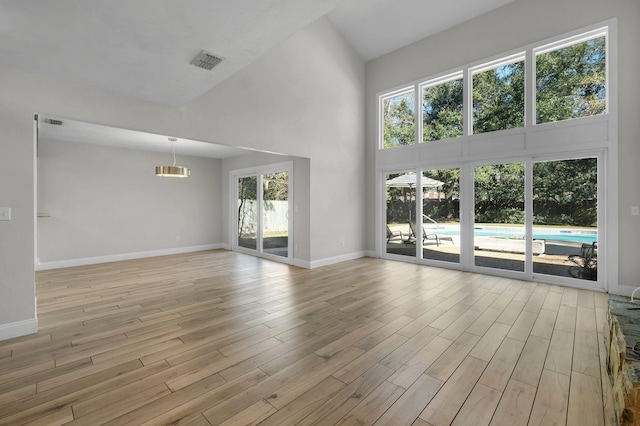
(124, 256)
(571, 41)
(18, 328)
(497, 63)
(302, 263)
(337, 259)
(573, 138)
(259, 172)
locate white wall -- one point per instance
(21, 95)
(306, 98)
(301, 225)
(510, 27)
(105, 201)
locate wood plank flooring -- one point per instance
(221, 338)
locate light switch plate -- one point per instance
(635, 210)
(5, 213)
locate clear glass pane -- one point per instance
(571, 82)
(499, 229)
(565, 218)
(248, 212)
(275, 222)
(401, 207)
(498, 98)
(441, 215)
(442, 111)
(398, 113)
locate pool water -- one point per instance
(538, 234)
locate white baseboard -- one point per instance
(337, 259)
(302, 263)
(126, 256)
(19, 328)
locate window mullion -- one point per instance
(530, 89)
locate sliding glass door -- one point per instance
(441, 215)
(565, 218)
(499, 216)
(400, 213)
(275, 213)
(247, 220)
(262, 218)
(530, 218)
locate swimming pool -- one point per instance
(552, 234)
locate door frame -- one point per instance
(259, 171)
(467, 212)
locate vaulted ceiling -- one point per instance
(143, 48)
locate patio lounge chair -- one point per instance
(586, 267)
(393, 234)
(426, 237)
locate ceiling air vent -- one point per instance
(205, 60)
(53, 122)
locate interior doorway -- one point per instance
(262, 220)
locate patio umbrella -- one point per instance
(408, 180)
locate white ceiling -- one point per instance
(81, 132)
(377, 27)
(142, 48)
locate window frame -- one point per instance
(554, 140)
(380, 116)
(447, 78)
(560, 44)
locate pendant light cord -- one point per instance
(173, 149)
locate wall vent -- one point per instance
(206, 60)
(53, 122)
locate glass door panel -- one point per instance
(248, 212)
(275, 214)
(565, 218)
(400, 213)
(499, 229)
(441, 215)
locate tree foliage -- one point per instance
(442, 109)
(398, 120)
(499, 193)
(571, 82)
(498, 98)
(565, 192)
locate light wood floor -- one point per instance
(222, 338)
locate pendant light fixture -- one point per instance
(173, 170)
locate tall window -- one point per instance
(498, 98)
(571, 81)
(442, 110)
(398, 117)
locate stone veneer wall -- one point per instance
(623, 361)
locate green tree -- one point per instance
(448, 208)
(499, 193)
(565, 192)
(571, 82)
(498, 98)
(442, 110)
(247, 196)
(398, 120)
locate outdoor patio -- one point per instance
(554, 261)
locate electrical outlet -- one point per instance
(177, 237)
(5, 213)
